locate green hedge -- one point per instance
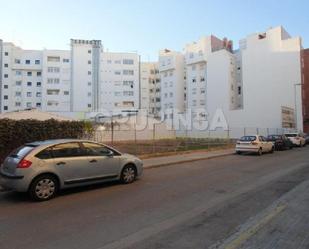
(14, 133)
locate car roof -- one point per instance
(58, 141)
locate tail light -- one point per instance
(24, 164)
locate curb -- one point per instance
(188, 160)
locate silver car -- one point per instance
(42, 168)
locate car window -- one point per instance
(68, 150)
(93, 149)
(291, 135)
(45, 154)
(247, 138)
(261, 139)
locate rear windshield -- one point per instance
(273, 137)
(22, 151)
(247, 138)
(291, 135)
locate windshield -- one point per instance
(247, 138)
(274, 137)
(291, 135)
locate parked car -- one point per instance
(281, 142)
(255, 143)
(306, 136)
(42, 168)
(296, 139)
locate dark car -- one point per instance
(281, 142)
(307, 138)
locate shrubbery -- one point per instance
(14, 133)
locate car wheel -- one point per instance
(272, 149)
(238, 152)
(260, 152)
(128, 174)
(43, 188)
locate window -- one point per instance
(193, 80)
(29, 73)
(6, 65)
(29, 83)
(38, 74)
(38, 94)
(38, 84)
(17, 61)
(37, 62)
(5, 97)
(89, 83)
(128, 83)
(5, 108)
(89, 62)
(38, 104)
(53, 81)
(17, 104)
(193, 68)
(171, 73)
(66, 60)
(117, 93)
(67, 150)
(27, 62)
(18, 83)
(66, 93)
(6, 75)
(17, 73)
(89, 94)
(29, 104)
(53, 69)
(17, 94)
(171, 94)
(128, 61)
(128, 93)
(45, 154)
(89, 72)
(97, 150)
(117, 73)
(29, 94)
(118, 62)
(202, 79)
(6, 87)
(191, 55)
(6, 53)
(89, 105)
(109, 62)
(89, 51)
(128, 72)
(203, 90)
(53, 58)
(239, 90)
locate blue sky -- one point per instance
(145, 26)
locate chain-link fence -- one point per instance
(158, 138)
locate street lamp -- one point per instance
(295, 103)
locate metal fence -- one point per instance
(157, 138)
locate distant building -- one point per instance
(305, 87)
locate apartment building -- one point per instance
(209, 64)
(150, 88)
(171, 69)
(119, 82)
(84, 79)
(21, 78)
(305, 88)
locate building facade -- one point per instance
(305, 88)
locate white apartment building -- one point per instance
(119, 82)
(150, 88)
(84, 79)
(171, 68)
(270, 67)
(56, 81)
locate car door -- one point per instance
(267, 144)
(104, 161)
(71, 163)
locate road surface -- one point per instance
(191, 205)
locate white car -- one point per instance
(296, 139)
(255, 143)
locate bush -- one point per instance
(14, 133)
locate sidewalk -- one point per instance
(283, 225)
(185, 157)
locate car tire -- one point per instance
(272, 149)
(260, 152)
(238, 152)
(128, 174)
(43, 188)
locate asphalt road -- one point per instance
(190, 205)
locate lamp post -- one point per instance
(295, 103)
